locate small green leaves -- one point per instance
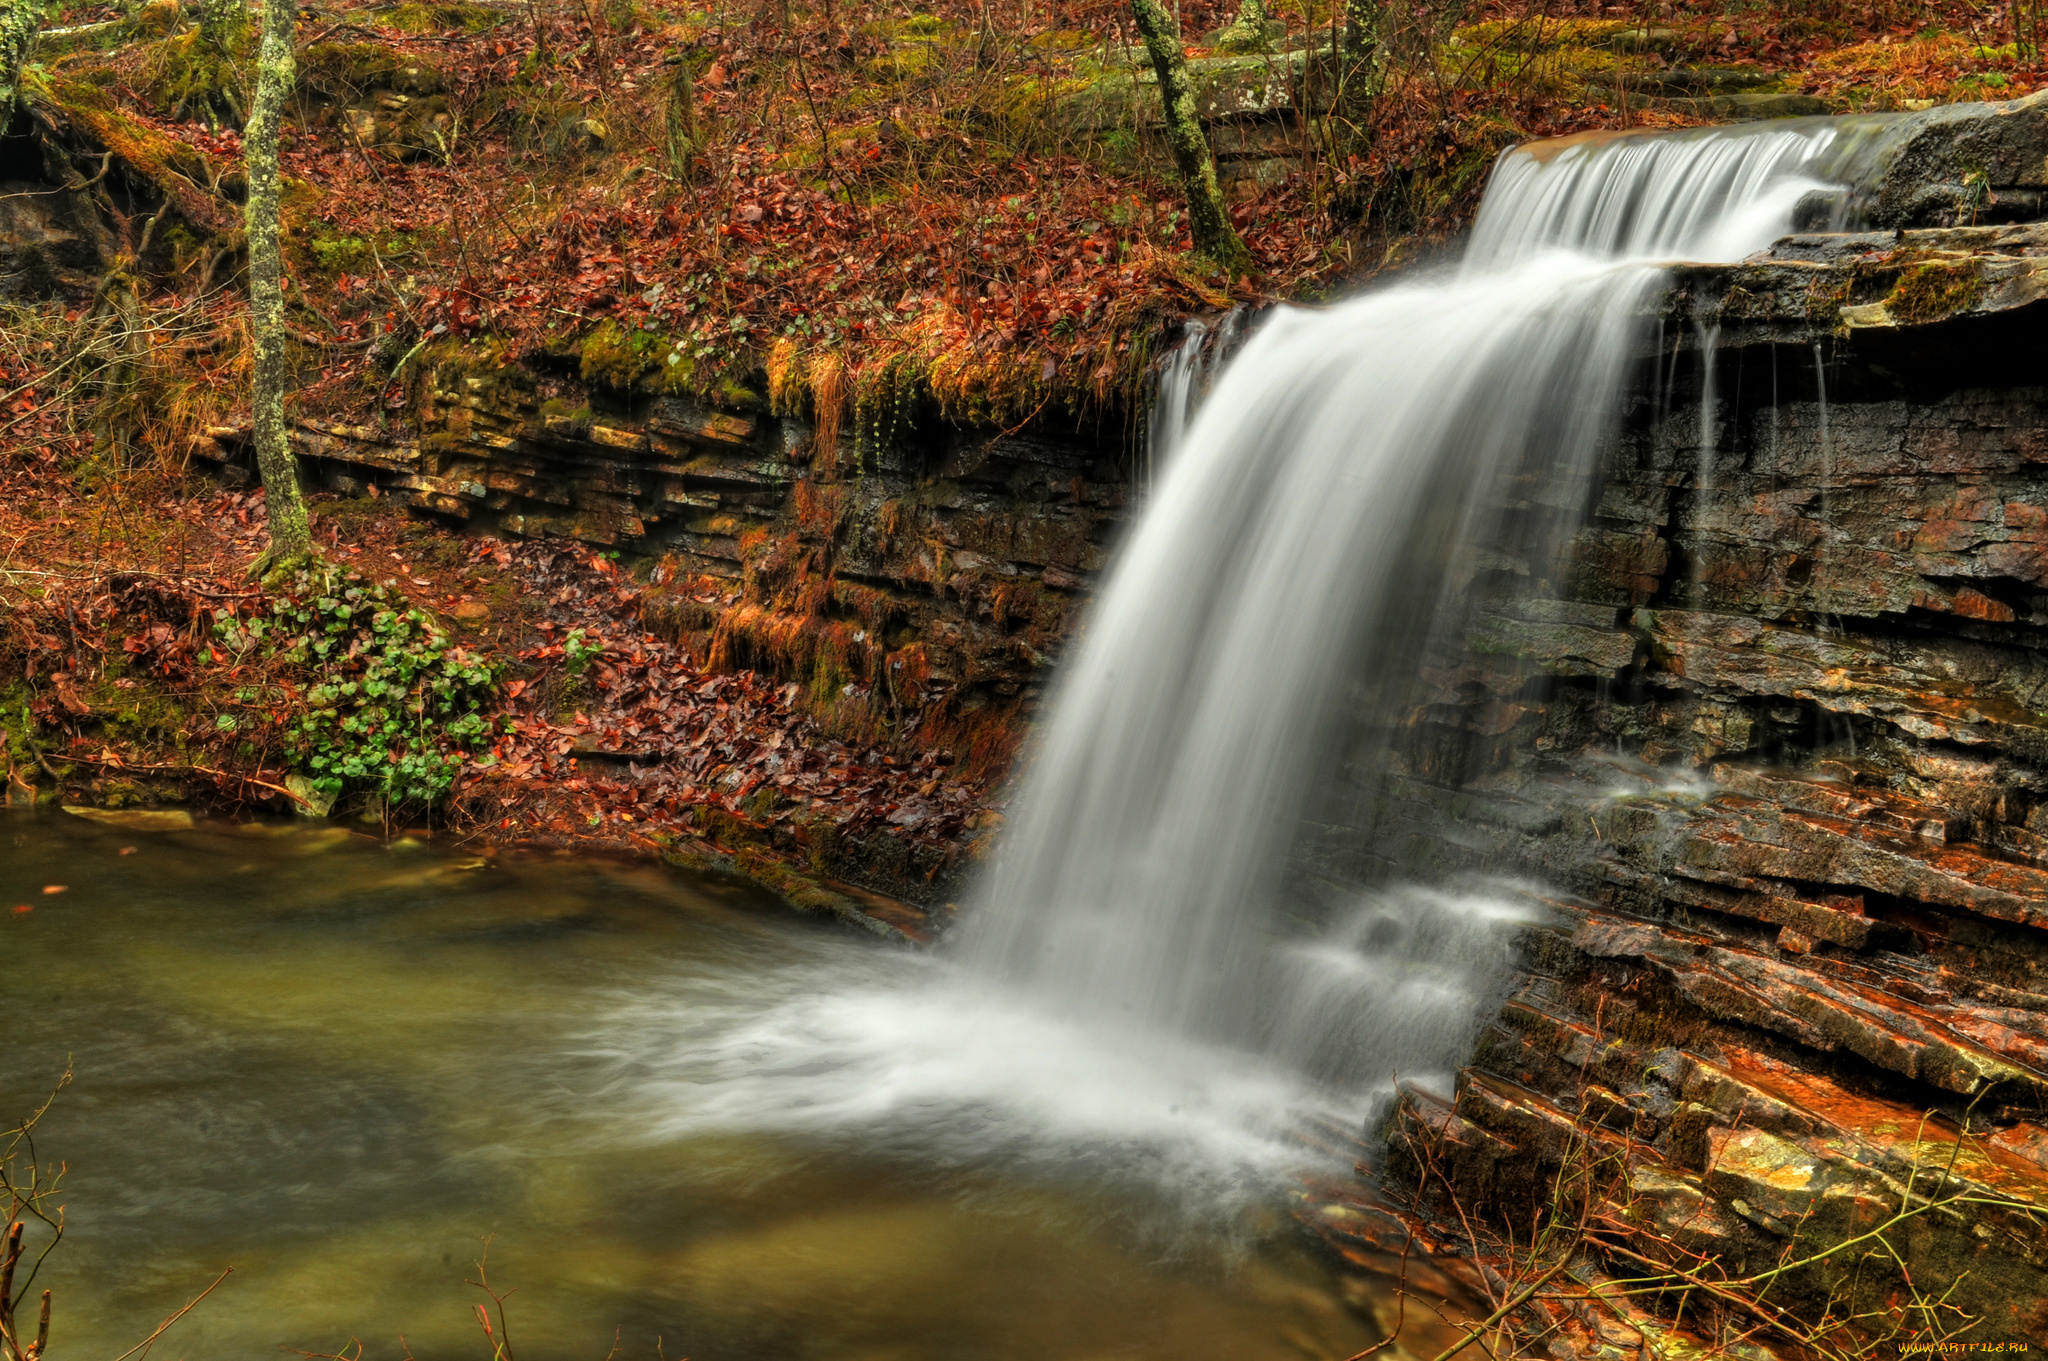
(578, 653)
(393, 704)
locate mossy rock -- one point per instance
(735, 395)
(1242, 37)
(187, 74)
(905, 62)
(611, 356)
(334, 253)
(645, 361)
(1064, 40)
(173, 169)
(488, 357)
(345, 71)
(1935, 290)
(420, 18)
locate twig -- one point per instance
(198, 770)
(149, 1341)
(1474, 1331)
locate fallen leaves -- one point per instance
(654, 739)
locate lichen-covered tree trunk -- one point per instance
(289, 537)
(20, 22)
(1214, 236)
(1363, 54)
(679, 119)
(218, 20)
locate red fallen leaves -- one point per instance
(650, 739)
(165, 651)
(1026, 246)
(655, 737)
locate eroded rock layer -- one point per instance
(1772, 731)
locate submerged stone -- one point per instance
(135, 819)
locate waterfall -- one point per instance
(1334, 484)
(1180, 388)
(1708, 338)
(1137, 990)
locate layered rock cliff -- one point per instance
(1767, 741)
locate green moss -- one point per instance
(1929, 292)
(346, 70)
(614, 357)
(157, 19)
(903, 63)
(333, 253)
(1063, 40)
(488, 358)
(187, 73)
(421, 18)
(737, 396)
(175, 169)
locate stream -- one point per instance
(679, 1111)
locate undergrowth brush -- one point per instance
(384, 703)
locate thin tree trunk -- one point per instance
(20, 22)
(1214, 236)
(217, 21)
(1364, 55)
(290, 540)
(679, 119)
(1247, 32)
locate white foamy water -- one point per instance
(1132, 992)
(919, 1057)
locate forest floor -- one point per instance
(127, 687)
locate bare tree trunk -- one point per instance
(290, 540)
(20, 22)
(1214, 236)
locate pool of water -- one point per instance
(685, 1119)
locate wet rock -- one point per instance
(309, 800)
(1797, 834)
(135, 819)
(1949, 164)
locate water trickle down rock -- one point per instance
(1786, 761)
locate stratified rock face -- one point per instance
(935, 569)
(1774, 728)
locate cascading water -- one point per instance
(1707, 339)
(1180, 388)
(1135, 977)
(1302, 539)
